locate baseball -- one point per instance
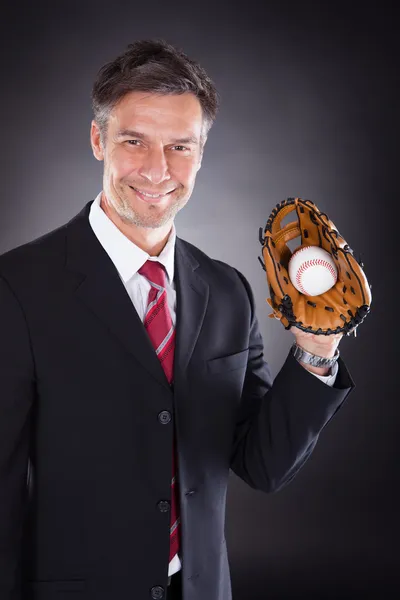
(312, 270)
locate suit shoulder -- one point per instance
(41, 252)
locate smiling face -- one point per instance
(151, 154)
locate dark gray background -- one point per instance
(309, 108)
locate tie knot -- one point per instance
(154, 272)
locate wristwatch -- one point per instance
(312, 359)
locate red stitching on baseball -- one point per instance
(312, 263)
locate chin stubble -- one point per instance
(153, 220)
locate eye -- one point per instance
(133, 142)
(183, 148)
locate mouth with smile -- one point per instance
(149, 197)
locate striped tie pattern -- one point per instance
(161, 331)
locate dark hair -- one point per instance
(152, 66)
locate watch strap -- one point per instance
(312, 359)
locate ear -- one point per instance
(95, 140)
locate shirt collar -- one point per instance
(127, 257)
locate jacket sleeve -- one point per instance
(278, 422)
(16, 395)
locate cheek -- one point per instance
(122, 164)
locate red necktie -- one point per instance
(159, 326)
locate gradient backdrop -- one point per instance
(309, 108)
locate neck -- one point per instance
(150, 240)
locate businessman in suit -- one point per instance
(132, 376)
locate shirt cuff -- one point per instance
(328, 379)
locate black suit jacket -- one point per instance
(87, 418)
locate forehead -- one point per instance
(178, 113)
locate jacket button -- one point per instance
(163, 505)
(164, 417)
(157, 592)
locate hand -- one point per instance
(321, 345)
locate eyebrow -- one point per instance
(141, 136)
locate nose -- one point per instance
(155, 166)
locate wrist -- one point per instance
(316, 370)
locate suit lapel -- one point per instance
(103, 292)
(100, 288)
(191, 300)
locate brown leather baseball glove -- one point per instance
(339, 310)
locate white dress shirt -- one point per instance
(128, 259)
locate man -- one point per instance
(132, 376)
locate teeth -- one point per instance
(148, 195)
